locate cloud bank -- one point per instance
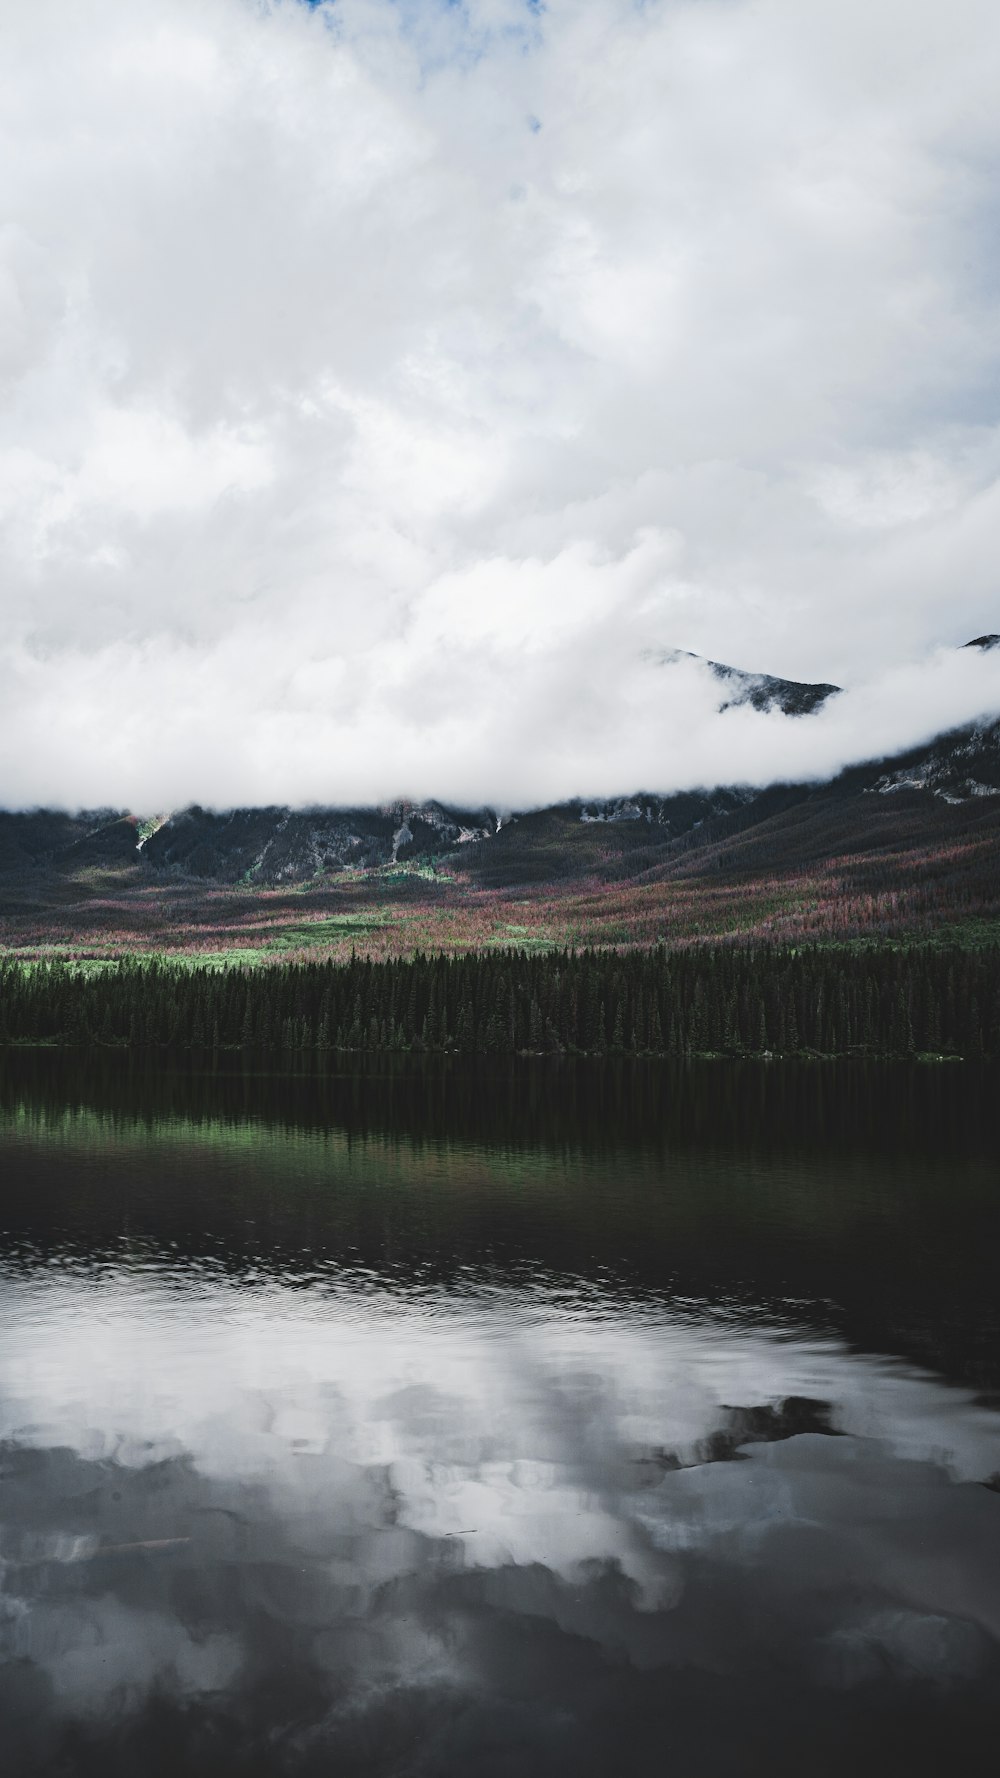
(380, 382)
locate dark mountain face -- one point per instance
(763, 691)
(266, 846)
(279, 845)
(958, 766)
(791, 696)
(37, 837)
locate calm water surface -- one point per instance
(545, 1419)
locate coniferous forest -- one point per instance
(715, 1000)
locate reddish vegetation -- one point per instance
(806, 873)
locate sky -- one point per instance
(385, 383)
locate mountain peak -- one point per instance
(763, 691)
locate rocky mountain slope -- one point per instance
(764, 691)
(286, 845)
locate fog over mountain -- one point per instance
(387, 389)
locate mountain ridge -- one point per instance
(762, 691)
(906, 843)
(279, 844)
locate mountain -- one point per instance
(279, 845)
(39, 839)
(264, 846)
(957, 766)
(793, 697)
(894, 844)
(902, 802)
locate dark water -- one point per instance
(546, 1420)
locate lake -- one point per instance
(543, 1418)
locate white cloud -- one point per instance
(378, 381)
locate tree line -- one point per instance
(713, 1000)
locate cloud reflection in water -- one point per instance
(266, 1527)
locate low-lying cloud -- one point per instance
(380, 384)
(154, 727)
